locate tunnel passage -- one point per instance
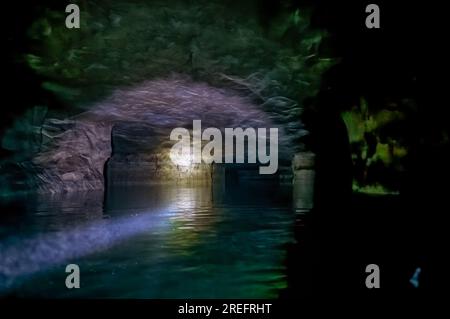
(75, 150)
(140, 156)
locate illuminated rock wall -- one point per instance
(140, 156)
(122, 130)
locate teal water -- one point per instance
(147, 242)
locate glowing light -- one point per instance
(182, 160)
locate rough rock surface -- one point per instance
(74, 151)
(140, 156)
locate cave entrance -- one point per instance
(140, 156)
(124, 138)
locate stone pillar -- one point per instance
(303, 181)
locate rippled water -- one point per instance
(147, 242)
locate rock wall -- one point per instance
(140, 156)
(73, 151)
(72, 158)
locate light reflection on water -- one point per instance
(147, 242)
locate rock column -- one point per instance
(303, 181)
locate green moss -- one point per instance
(377, 150)
(355, 124)
(375, 189)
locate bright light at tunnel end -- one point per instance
(227, 149)
(184, 160)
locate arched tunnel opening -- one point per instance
(125, 140)
(113, 162)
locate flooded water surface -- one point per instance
(146, 242)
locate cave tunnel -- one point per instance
(100, 105)
(124, 139)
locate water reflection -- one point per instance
(148, 242)
(60, 235)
